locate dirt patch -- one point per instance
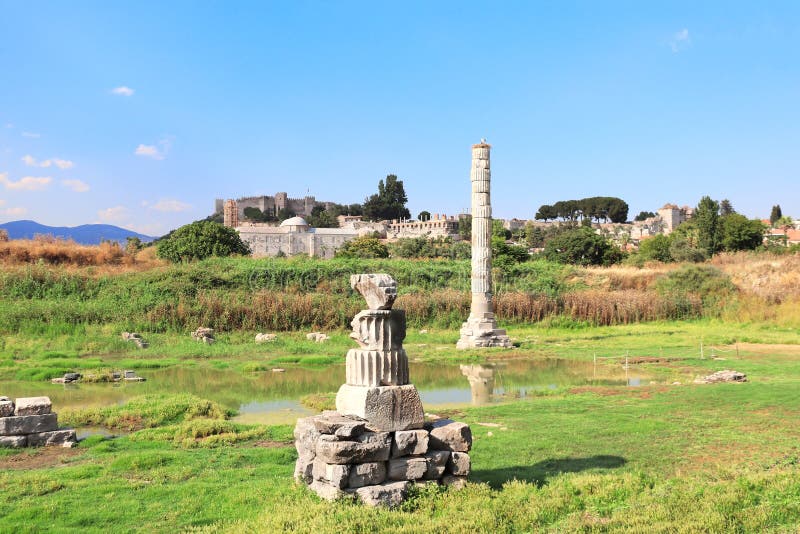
(609, 391)
(767, 348)
(39, 458)
(651, 359)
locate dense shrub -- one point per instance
(200, 240)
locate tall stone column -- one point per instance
(481, 330)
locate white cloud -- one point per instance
(155, 152)
(9, 125)
(680, 40)
(63, 164)
(154, 229)
(168, 205)
(31, 135)
(122, 90)
(27, 183)
(78, 186)
(115, 214)
(148, 151)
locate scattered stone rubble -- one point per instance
(30, 422)
(318, 337)
(376, 444)
(265, 338)
(136, 339)
(206, 335)
(115, 376)
(722, 376)
(345, 456)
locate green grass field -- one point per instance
(658, 458)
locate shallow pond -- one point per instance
(273, 397)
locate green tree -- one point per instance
(546, 212)
(498, 230)
(706, 217)
(200, 240)
(389, 203)
(365, 246)
(465, 226)
(285, 213)
(424, 216)
(581, 246)
(644, 215)
(725, 207)
(656, 248)
(775, 214)
(323, 218)
(740, 233)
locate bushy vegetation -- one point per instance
(200, 240)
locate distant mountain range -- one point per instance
(86, 234)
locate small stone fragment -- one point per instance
(366, 474)
(13, 442)
(265, 338)
(406, 468)
(338, 425)
(33, 406)
(55, 437)
(318, 337)
(459, 464)
(454, 481)
(334, 474)
(6, 407)
(437, 461)
(409, 442)
(379, 290)
(389, 494)
(326, 491)
(722, 376)
(304, 469)
(448, 435)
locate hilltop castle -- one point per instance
(272, 205)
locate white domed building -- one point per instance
(294, 236)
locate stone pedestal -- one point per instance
(376, 443)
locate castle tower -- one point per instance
(230, 214)
(481, 330)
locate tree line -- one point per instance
(598, 208)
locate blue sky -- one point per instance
(141, 113)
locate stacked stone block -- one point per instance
(30, 422)
(345, 457)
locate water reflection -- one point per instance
(481, 382)
(268, 397)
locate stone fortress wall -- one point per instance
(273, 204)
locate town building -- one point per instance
(438, 225)
(292, 237)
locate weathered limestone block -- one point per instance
(55, 437)
(206, 335)
(304, 469)
(437, 462)
(265, 338)
(339, 426)
(368, 447)
(334, 474)
(318, 337)
(13, 442)
(379, 290)
(379, 329)
(326, 491)
(305, 436)
(27, 424)
(376, 367)
(6, 407)
(406, 468)
(409, 442)
(454, 481)
(389, 494)
(459, 464)
(33, 406)
(366, 474)
(448, 435)
(385, 407)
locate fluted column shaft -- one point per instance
(480, 176)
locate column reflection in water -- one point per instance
(481, 382)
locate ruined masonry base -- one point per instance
(345, 457)
(30, 422)
(480, 332)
